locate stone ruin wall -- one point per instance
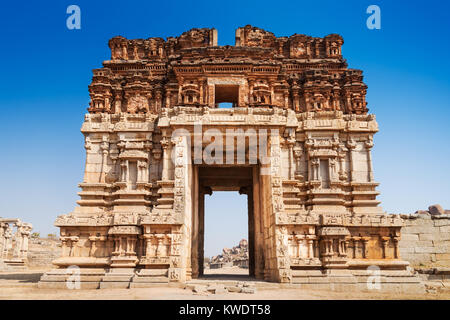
(43, 251)
(425, 240)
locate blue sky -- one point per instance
(46, 69)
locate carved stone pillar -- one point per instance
(104, 147)
(142, 173)
(158, 100)
(396, 249)
(64, 246)
(124, 170)
(18, 243)
(369, 145)
(26, 231)
(2, 238)
(298, 152)
(310, 249)
(316, 248)
(166, 145)
(93, 248)
(384, 245)
(365, 247)
(351, 145)
(341, 158)
(148, 245)
(72, 243)
(118, 102)
(298, 240)
(291, 158)
(332, 169)
(315, 162)
(8, 241)
(296, 101)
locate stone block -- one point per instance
(443, 236)
(216, 289)
(408, 237)
(199, 289)
(441, 222)
(420, 229)
(114, 285)
(63, 285)
(233, 289)
(248, 290)
(420, 258)
(420, 249)
(407, 250)
(427, 236)
(442, 256)
(147, 285)
(408, 244)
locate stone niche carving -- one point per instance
(312, 193)
(158, 246)
(137, 104)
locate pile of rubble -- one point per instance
(217, 288)
(236, 256)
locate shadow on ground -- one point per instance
(227, 276)
(22, 277)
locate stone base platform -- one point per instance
(435, 274)
(146, 277)
(13, 265)
(382, 281)
(70, 278)
(122, 278)
(389, 281)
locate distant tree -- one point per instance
(35, 235)
(51, 236)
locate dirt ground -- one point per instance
(23, 285)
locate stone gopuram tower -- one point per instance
(313, 217)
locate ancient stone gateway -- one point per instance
(296, 140)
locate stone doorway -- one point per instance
(243, 179)
(226, 235)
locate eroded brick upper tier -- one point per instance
(299, 72)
